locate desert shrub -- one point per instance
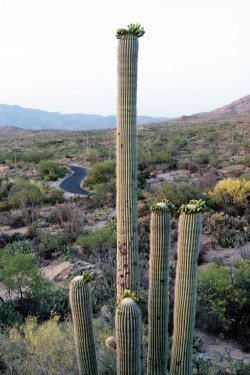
(100, 173)
(53, 195)
(50, 170)
(232, 195)
(35, 156)
(38, 349)
(97, 242)
(5, 186)
(187, 164)
(70, 217)
(46, 244)
(223, 297)
(178, 193)
(202, 156)
(226, 230)
(25, 192)
(18, 247)
(101, 181)
(246, 161)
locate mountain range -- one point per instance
(237, 110)
(35, 119)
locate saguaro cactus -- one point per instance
(128, 337)
(126, 153)
(158, 306)
(185, 288)
(80, 304)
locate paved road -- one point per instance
(72, 183)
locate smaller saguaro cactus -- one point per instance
(80, 303)
(190, 225)
(158, 307)
(128, 337)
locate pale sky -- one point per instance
(60, 55)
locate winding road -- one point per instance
(73, 182)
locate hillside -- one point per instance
(237, 110)
(35, 119)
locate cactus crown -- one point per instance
(134, 296)
(86, 277)
(133, 29)
(164, 205)
(194, 206)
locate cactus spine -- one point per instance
(80, 304)
(128, 337)
(126, 154)
(158, 290)
(185, 288)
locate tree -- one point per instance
(21, 276)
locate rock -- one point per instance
(58, 272)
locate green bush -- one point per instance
(36, 349)
(202, 156)
(98, 241)
(100, 173)
(46, 244)
(178, 193)
(18, 247)
(26, 193)
(226, 230)
(50, 170)
(223, 296)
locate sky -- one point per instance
(61, 55)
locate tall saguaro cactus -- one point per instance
(185, 288)
(158, 306)
(128, 337)
(80, 304)
(126, 172)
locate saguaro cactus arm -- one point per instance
(128, 337)
(158, 308)
(80, 304)
(185, 287)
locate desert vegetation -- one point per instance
(47, 238)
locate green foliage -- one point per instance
(46, 244)
(224, 295)
(133, 29)
(100, 173)
(37, 349)
(178, 193)
(26, 193)
(98, 241)
(226, 230)
(50, 170)
(20, 275)
(18, 247)
(202, 156)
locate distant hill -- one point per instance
(35, 119)
(237, 110)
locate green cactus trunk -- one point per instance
(80, 304)
(128, 337)
(185, 293)
(126, 201)
(158, 306)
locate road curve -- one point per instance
(73, 182)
